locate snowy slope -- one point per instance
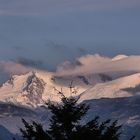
(122, 87)
(30, 89)
(35, 88)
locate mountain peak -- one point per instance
(26, 89)
(34, 88)
(119, 57)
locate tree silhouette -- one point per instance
(65, 124)
(65, 117)
(34, 131)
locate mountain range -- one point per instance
(112, 93)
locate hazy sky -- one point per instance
(47, 32)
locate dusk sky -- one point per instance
(59, 56)
(48, 32)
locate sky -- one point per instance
(44, 33)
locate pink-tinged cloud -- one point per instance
(96, 64)
(11, 67)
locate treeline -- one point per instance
(65, 124)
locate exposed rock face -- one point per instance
(34, 89)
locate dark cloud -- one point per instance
(30, 62)
(78, 63)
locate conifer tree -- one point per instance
(65, 124)
(34, 131)
(65, 117)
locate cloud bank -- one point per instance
(95, 64)
(117, 66)
(9, 68)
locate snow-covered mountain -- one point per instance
(35, 88)
(121, 87)
(27, 89)
(119, 57)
